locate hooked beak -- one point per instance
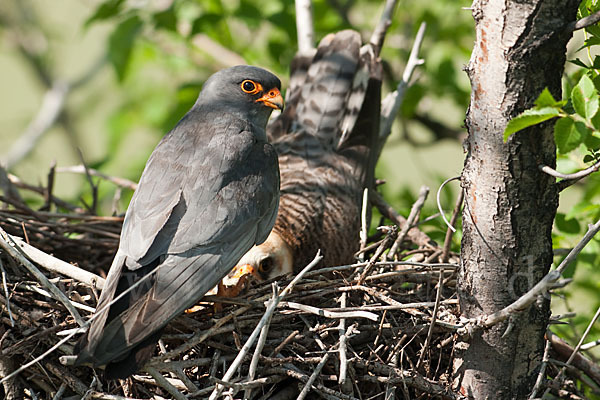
(272, 99)
(242, 270)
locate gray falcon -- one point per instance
(208, 193)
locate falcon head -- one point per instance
(251, 91)
(268, 260)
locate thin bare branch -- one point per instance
(413, 217)
(439, 204)
(392, 102)
(329, 314)
(450, 232)
(56, 265)
(523, 302)
(81, 169)
(436, 308)
(559, 377)
(10, 247)
(584, 22)
(414, 234)
(305, 27)
(383, 25)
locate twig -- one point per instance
(272, 305)
(331, 394)
(56, 265)
(397, 376)
(329, 314)
(313, 377)
(414, 234)
(523, 302)
(81, 169)
(450, 232)
(590, 345)
(584, 22)
(40, 190)
(304, 26)
(420, 265)
(285, 342)
(8, 187)
(542, 374)
(49, 188)
(438, 298)
(569, 179)
(413, 217)
(259, 347)
(165, 384)
(6, 295)
(345, 384)
(559, 377)
(367, 270)
(565, 351)
(576, 175)
(392, 102)
(93, 186)
(439, 204)
(363, 224)
(10, 247)
(382, 26)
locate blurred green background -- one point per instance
(139, 66)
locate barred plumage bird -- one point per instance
(326, 141)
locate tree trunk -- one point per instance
(509, 203)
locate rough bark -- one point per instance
(509, 203)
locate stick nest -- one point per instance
(356, 332)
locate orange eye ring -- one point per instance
(250, 87)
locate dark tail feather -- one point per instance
(134, 360)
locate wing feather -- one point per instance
(195, 216)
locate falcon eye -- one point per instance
(266, 265)
(249, 87)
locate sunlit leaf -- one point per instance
(585, 98)
(529, 118)
(569, 134)
(545, 99)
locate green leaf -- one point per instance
(592, 141)
(567, 225)
(569, 134)
(120, 44)
(579, 63)
(166, 19)
(545, 99)
(585, 98)
(529, 118)
(591, 41)
(106, 10)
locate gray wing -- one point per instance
(203, 200)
